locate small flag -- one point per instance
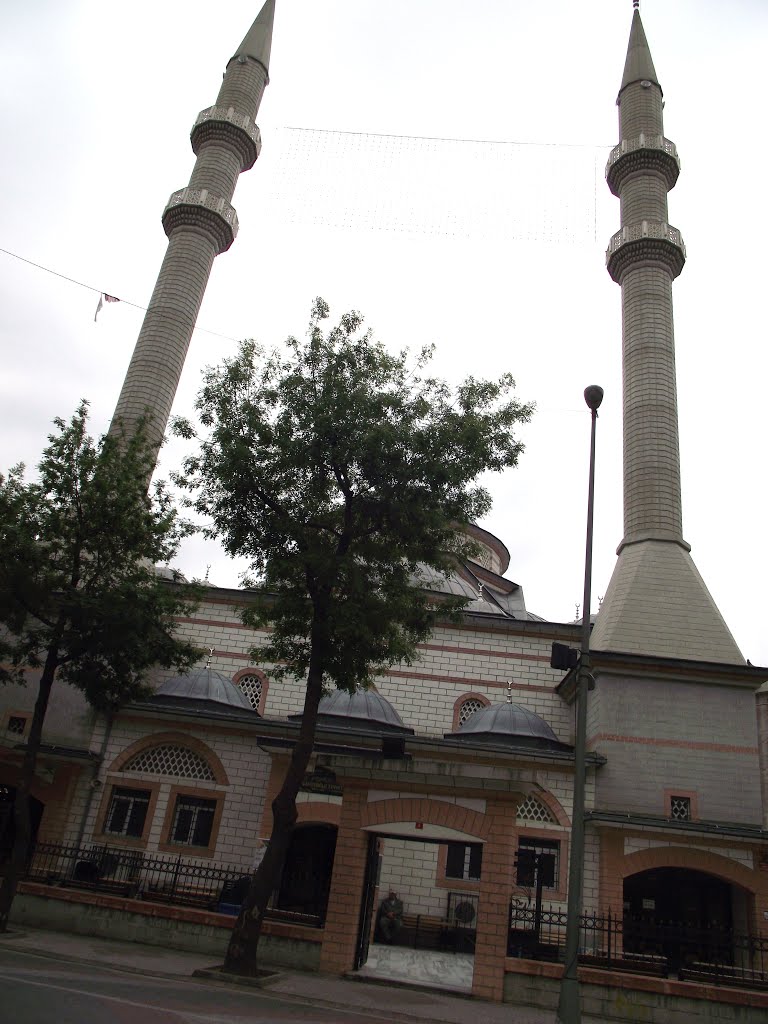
(103, 297)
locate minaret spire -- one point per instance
(200, 223)
(656, 603)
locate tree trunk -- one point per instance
(17, 865)
(241, 955)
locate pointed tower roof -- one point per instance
(639, 64)
(258, 39)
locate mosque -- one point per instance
(452, 781)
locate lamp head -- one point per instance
(593, 396)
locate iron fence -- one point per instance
(159, 878)
(644, 945)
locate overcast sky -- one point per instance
(492, 247)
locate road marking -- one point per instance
(183, 1014)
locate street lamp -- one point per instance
(569, 1005)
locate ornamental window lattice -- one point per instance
(680, 808)
(532, 809)
(468, 708)
(253, 687)
(171, 760)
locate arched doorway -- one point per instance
(7, 825)
(306, 878)
(681, 914)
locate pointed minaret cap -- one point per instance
(258, 40)
(639, 66)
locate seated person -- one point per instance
(390, 917)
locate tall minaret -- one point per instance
(656, 603)
(200, 223)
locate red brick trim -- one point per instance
(433, 812)
(471, 695)
(552, 804)
(181, 739)
(241, 673)
(651, 741)
(488, 684)
(316, 812)
(483, 652)
(693, 859)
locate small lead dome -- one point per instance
(363, 707)
(509, 724)
(205, 684)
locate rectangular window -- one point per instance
(464, 861)
(680, 808)
(17, 725)
(127, 812)
(192, 821)
(541, 855)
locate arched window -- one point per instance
(170, 759)
(532, 809)
(254, 686)
(466, 706)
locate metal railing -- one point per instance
(640, 945)
(153, 877)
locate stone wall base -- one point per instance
(157, 925)
(609, 996)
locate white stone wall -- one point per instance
(247, 769)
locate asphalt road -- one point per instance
(39, 990)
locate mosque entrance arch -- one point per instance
(433, 871)
(684, 915)
(306, 878)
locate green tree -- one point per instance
(80, 602)
(340, 473)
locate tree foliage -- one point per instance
(344, 475)
(80, 601)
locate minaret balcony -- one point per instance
(646, 243)
(226, 126)
(645, 153)
(199, 208)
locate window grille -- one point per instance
(532, 809)
(542, 855)
(253, 687)
(680, 808)
(17, 725)
(192, 821)
(468, 708)
(171, 760)
(127, 812)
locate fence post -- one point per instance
(176, 871)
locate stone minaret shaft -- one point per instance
(644, 257)
(656, 603)
(200, 223)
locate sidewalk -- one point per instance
(396, 1001)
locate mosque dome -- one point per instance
(508, 724)
(363, 708)
(205, 684)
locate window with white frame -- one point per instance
(538, 855)
(127, 812)
(192, 821)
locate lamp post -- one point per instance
(569, 1005)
